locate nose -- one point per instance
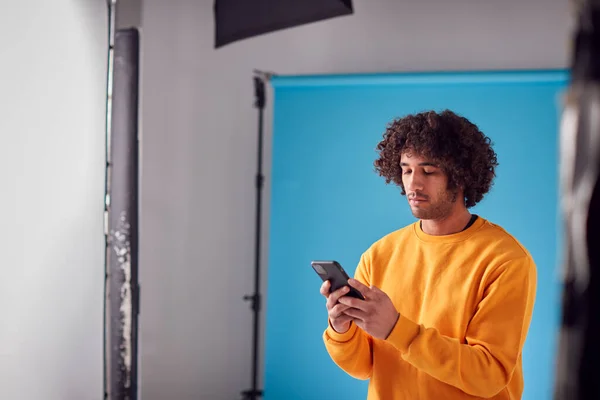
(413, 183)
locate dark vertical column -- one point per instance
(579, 350)
(122, 294)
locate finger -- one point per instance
(376, 293)
(335, 296)
(365, 290)
(325, 288)
(337, 310)
(343, 318)
(375, 289)
(355, 313)
(354, 303)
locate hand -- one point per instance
(339, 321)
(375, 315)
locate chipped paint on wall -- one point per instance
(121, 245)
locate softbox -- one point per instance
(241, 19)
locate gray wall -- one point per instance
(52, 174)
(199, 130)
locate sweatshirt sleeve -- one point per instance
(483, 365)
(351, 350)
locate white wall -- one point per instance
(52, 175)
(199, 128)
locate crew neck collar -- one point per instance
(452, 238)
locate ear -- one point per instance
(458, 192)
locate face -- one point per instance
(426, 187)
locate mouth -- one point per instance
(417, 200)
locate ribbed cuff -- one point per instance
(341, 337)
(403, 333)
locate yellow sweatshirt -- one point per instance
(465, 302)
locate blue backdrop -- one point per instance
(327, 203)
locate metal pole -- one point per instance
(111, 8)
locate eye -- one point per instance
(406, 172)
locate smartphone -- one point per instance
(333, 272)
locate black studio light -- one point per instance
(240, 19)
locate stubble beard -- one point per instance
(438, 210)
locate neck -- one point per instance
(453, 223)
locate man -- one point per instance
(448, 299)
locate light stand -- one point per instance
(256, 298)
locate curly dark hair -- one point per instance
(463, 152)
